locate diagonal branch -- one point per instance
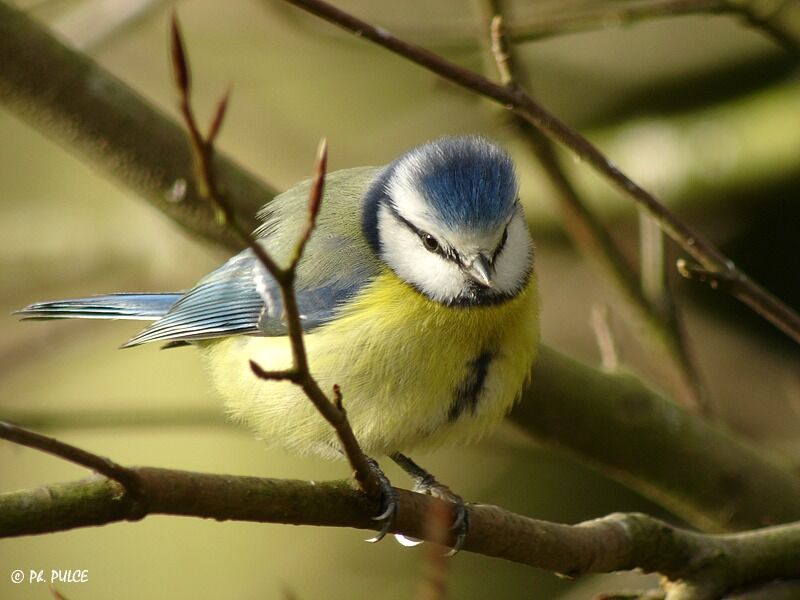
(587, 231)
(203, 153)
(693, 242)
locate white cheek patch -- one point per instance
(513, 264)
(435, 276)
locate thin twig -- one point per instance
(693, 242)
(203, 153)
(657, 290)
(606, 341)
(127, 478)
(626, 13)
(590, 235)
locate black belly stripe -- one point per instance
(468, 392)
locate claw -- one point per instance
(389, 503)
(460, 537)
(460, 525)
(382, 533)
(425, 483)
(407, 541)
(388, 513)
(461, 516)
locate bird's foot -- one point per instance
(388, 502)
(425, 483)
(460, 525)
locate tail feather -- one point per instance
(144, 307)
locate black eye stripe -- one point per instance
(446, 253)
(502, 243)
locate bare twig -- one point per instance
(76, 102)
(100, 464)
(591, 236)
(694, 243)
(626, 13)
(657, 291)
(203, 153)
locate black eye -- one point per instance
(430, 243)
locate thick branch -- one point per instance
(616, 542)
(615, 423)
(693, 242)
(72, 99)
(697, 470)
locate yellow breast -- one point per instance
(412, 372)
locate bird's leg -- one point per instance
(388, 501)
(425, 483)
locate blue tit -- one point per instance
(417, 296)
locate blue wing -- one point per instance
(240, 297)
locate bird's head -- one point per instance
(445, 218)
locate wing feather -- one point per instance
(240, 297)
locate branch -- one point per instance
(628, 13)
(613, 422)
(590, 235)
(203, 152)
(104, 466)
(70, 98)
(695, 469)
(693, 242)
(616, 542)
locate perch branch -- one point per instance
(703, 474)
(612, 543)
(693, 242)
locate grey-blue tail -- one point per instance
(144, 307)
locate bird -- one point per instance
(417, 297)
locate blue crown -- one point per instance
(467, 181)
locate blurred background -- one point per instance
(703, 110)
